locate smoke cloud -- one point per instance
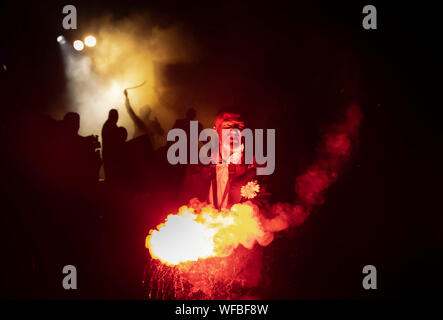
(311, 186)
(128, 52)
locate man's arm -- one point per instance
(138, 122)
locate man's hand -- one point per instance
(126, 93)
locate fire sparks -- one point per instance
(191, 235)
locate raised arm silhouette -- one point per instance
(140, 125)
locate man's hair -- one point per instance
(233, 118)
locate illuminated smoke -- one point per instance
(310, 187)
(127, 52)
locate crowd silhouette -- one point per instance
(73, 215)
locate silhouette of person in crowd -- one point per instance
(178, 171)
(110, 139)
(121, 157)
(78, 159)
(71, 124)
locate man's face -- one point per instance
(231, 146)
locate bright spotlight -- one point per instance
(61, 39)
(78, 45)
(90, 41)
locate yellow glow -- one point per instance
(78, 45)
(187, 236)
(90, 41)
(125, 55)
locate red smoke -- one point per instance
(312, 184)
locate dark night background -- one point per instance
(308, 60)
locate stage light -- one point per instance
(61, 39)
(90, 41)
(78, 45)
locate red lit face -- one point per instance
(231, 146)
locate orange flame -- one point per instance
(190, 236)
